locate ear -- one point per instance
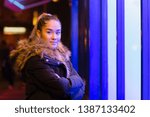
(38, 33)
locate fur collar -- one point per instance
(27, 49)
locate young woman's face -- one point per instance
(51, 33)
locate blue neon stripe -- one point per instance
(74, 33)
(104, 51)
(145, 4)
(94, 49)
(120, 51)
(18, 5)
(11, 0)
(148, 80)
(98, 50)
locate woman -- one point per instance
(44, 63)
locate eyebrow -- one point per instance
(53, 30)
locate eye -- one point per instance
(58, 32)
(49, 32)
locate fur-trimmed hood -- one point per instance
(27, 49)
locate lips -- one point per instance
(54, 43)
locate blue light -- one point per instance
(11, 0)
(18, 5)
(94, 86)
(120, 51)
(145, 49)
(98, 50)
(104, 51)
(74, 33)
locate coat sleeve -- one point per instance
(77, 84)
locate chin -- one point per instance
(54, 46)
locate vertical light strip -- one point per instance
(94, 17)
(112, 50)
(132, 50)
(145, 5)
(148, 50)
(74, 33)
(120, 51)
(104, 50)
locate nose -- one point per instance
(54, 36)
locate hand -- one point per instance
(57, 75)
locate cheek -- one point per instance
(59, 37)
(45, 37)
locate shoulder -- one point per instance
(35, 62)
(38, 62)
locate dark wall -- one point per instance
(84, 41)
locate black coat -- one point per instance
(43, 81)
